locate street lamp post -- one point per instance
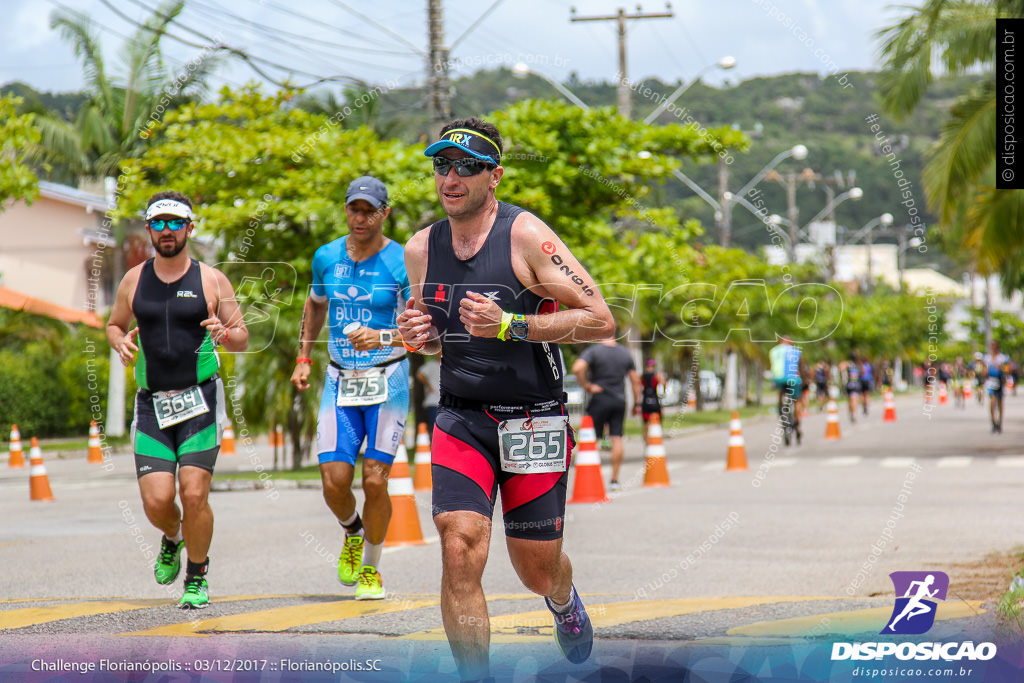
(866, 231)
(724, 63)
(522, 70)
(904, 243)
(723, 207)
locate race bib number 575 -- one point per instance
(532, 445)
(362, 387)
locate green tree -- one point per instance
(959, 177)
(122, 107)
(17, 135)
(268, 181)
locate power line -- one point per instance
(272, 33)
(320, 22)
(251, 60)
(476, 23)
(379, 26)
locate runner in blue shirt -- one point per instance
(359, 286)
(998, 365)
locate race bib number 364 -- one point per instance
(173, 407)
(532, 445)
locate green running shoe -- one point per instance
(351, 558)
(370, 585)
(168, 562)
(197, 595)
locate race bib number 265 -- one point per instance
(532, 445)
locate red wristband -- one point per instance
(412, 349)
(303, 360)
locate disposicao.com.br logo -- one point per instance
(913, 614)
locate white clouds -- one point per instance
(31, 26)
(669, 49)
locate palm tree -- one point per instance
(115, 121)
(959, 178)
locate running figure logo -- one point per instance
(914, 612)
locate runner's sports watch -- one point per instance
(518, 328)
(386, 337)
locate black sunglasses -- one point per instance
(465, 167)
(175, 224)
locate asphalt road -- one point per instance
(794, 550)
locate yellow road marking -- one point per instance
(27, 616)
(283, 618)
(508, 628)
(848, 623)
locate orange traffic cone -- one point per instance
(968, 392)
(589, 484)
(227, 441)
(95, 452)
(655, 468)
(17, 457)
(691, 400)
(277, 436)
(943, 394)
(832, 422)
(38, 482)
(890, 407)
(737, 456)
(422, 480)
(404, 527)
(1009, 382)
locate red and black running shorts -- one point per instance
(467, 475)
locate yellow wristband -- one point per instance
(506, 320)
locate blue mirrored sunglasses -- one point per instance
(174, 224)
(465, 167)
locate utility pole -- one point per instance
(437, 70)
(724, 204)
(625, 108)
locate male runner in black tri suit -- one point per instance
(484, 284)
(184, 309)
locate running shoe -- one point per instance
(573, 632)
(197, 593)
(370, 585)
(350, 559)
(168, 562)
(613, 485)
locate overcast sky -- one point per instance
(388, 42)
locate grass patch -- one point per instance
(307, 473)
(676, 421)
(1011, 606)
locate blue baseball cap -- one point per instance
(367, 188)
(473, 142)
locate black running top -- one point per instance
(175, 351)
(475, 368)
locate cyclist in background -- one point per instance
(785, 367)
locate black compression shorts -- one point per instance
(194, 442)
(467, 474)
(607, 410)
